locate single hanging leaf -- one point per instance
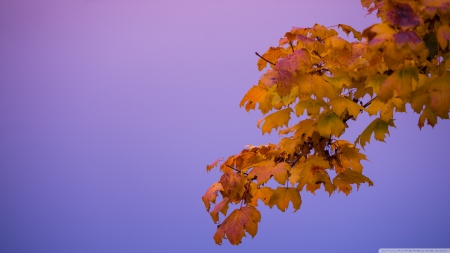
(211, 195)
(349, 157)
(258, 94)
(428, 116)
(343, 181)
(282, 196)
(378, 127)
(311, 106)
(275, 120)
(237, 223)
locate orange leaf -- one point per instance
(237, 223)
(211, 194)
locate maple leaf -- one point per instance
(280, 172)
(222, 207)
(400, 82)
(305, 171)
(386, 109)
(443, 36)
(440, 95)
(262, 171)
(428, 116)
(214, 164)
(340, 105)
(233, 185)
(275, 120)
(378, 127)
(258, 94)
(347, 29)
(315, 85)
(211, 195)
(348, 157)
(343, 181)
(329, 123)
(403, 15)
(237, 223)
(312, 107)
(283, 195)
(272, 55)
(260, 193)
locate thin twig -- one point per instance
(264, 58)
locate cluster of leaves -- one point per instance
(325, 81)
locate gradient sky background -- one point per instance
(110, 111)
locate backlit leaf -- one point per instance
(237, 223)
(282, 196)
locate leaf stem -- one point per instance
(264, 58)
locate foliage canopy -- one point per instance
(325, 80)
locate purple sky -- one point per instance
(110, 111)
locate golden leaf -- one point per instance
(282, 196)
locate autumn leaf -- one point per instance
(440, 95)
(280, 172)
(348, 156)
(343, 181)
(258, 94)
(311, 106)
(262, 171)
(340, 105)
(214, 164)
(347, 29)
(305, 171)
(329, 123)
(222, 207)
(443, 36)
(211, 195)
(282, 196)
(403, 16)
(272, 55)
(400, 82)
(260, 193)
(275, 120)
(237, 223)
(378, 127)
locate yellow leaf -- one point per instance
(429, 116)
(311, 106)
(304, 172)
(347, 29)
(440, 95)
(280, 172)
(343, 181)
(315, 85)
(258, 94)
(386, 109)
(222, 207)
(211, 194)
(275, 120)
(400, 82)
(237, 223)
(340, 105)
(378, 127)
(272, 55)
(282, 196)
(262, 171)
(349, 157)
(262, 193)
(443, 36)
(329, 123)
